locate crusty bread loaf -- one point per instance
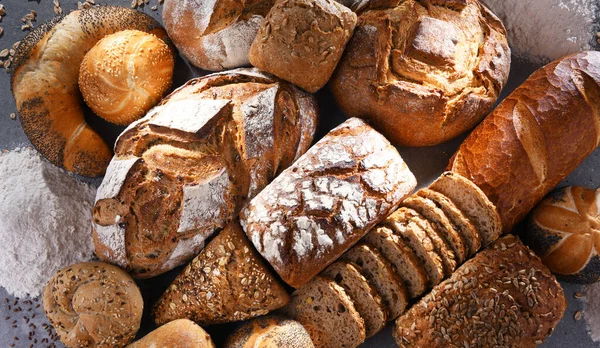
(563, 230)
(302, 41)
(93, 304)
(269, 332)
(423, 72)
(125, 74)
(535, 137)
(228, 281)
(214, 35)
(327, 313)
(180, 333)
(504, 297)
(44, 83)
(186, 169)
(326, 201)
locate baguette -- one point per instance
(537, 136)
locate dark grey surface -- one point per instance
(426, 163)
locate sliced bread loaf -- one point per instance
(328, 314)
(405, 262)
(460, 222)
(364, 296)
(381, 275)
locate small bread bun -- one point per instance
(270, 331)
(564, 229)
(93, 304)
(180, 333)
(126, 74)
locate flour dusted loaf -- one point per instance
(270, 331)
(93, 304)
(538, 135)
(184, 170)
(228, 281)
(44, 78)
(326, 201)
(302, 41)
(423, 72)
(181, 333)
(504, 296)
(214, 35)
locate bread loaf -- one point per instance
(270, 332)
(228, 281)
(214, 35)
(186, 169)
(423, 72)
(504, 297)
(44, 79)
(181, 333)
(93, 304)
(326, 201)
(535, 137)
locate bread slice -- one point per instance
(472, 202)
(380, 273)
(442, 248)
(460, 222)
(418, 240)
(366, 300)
(328, 314)
(440, 222)
(404, 261)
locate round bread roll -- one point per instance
(125, 74)
(270, 331)
(215, 35)
(93, 304)
(423, 72)
(45, 84)
(180, 333)
(564, 230)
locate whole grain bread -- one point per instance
(180, 333)
(269, 332)
(228, 281)
(327, 313)
(326, 201)
(380, 273)
(504, 296)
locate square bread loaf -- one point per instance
(326, 201)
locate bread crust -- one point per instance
(44, 83)
(270, 331)
(180, 333)
(537, 136)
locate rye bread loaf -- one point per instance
(504, 296)
(180, 333)
(269, 332)
(535, 137)
(228, 281)
(186, 169)
(326, 201)
(327, 313)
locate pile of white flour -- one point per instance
(544, 30)
(45, 217)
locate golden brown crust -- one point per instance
(181, 333)
(270, 331)
(535, 137)
(44, 84)
(423, 72)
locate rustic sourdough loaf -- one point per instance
(186, 169)
(423, 72)
(44, 79)
(327, 313)
(180, 333)
(228, 281)
(269, 332)
(535, 137)
(326, 201)
(504, 296)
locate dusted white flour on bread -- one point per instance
(116, 173)
(113, 237)
(258, 114)
(192, 115)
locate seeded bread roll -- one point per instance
(185, 170)
(44, 79)
(93, 304)
(327, 313)
(181, 333)
(228, 281)
(214, 35)
(504, 296)
(423, 72)
(326, 201)
(270, 331)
